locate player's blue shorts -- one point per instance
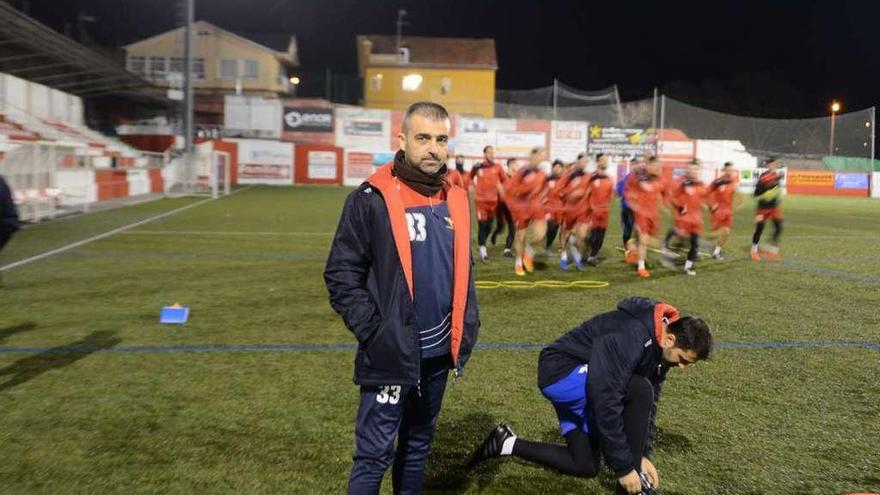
(569, 398)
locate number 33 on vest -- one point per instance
(415, 222)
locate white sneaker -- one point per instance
(690, 271)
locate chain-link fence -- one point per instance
(844, 141)
(562, 102)
(848, 134)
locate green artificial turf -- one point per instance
(97, 397)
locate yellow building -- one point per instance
(458, 73)
(223, 61)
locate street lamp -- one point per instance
(294, 81)
(835, 107)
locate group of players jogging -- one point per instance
(573, 203)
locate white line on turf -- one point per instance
(107, 234)
(225, 232)
(808, 236)
(89, 212)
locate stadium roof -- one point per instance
(279, 42)
(283, 46)
(35, 52)
(466, 53)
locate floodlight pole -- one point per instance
(662, 124)
(831, 145)
(873, 126)
(555, 91)
(188, 96)
(654, 111)
(401, 14)
(619, 106)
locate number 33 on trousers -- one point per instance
(389, 394)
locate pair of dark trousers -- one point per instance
(408, 413)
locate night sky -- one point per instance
(785, 58)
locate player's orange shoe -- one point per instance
(631, 257)
(644, 273)
(529, 262)
(755, 256)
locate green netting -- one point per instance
(850, 164)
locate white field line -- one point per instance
(109, 233)
(226, 232)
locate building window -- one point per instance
(412, 82)
(228, 68)
(158, 68)
(138, 65)
(176, 65)
(251, 69)
(376, 82)
(445, 85)
(198, 68)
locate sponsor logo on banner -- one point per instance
(264, 162)
(363, 128)
(267, 156)
(851, 181)
(263, 171)
(676, 148)
(308, 119)
(518, 144)
(469, 125)
(359, 165)
(799, 178)
(322, 164)
(569, 134)
(568, 139)
(618, 141)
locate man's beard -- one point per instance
(428, 166)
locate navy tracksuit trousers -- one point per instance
(407, 413)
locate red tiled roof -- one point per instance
(455, 52)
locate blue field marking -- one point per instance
(854, 277)
(822, 344)
(496, 346)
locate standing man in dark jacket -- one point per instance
(399, 274)
(603, 378)
(8, 214)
